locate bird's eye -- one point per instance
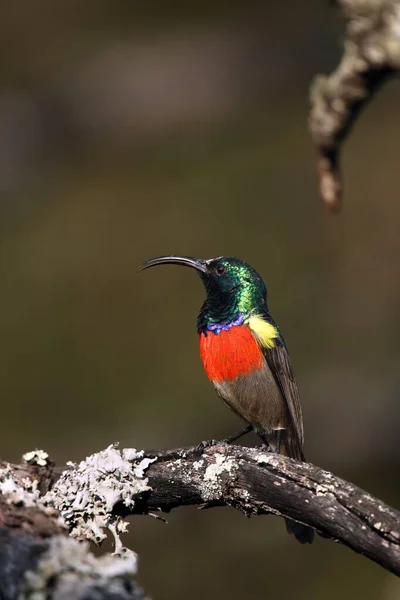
(220, 269)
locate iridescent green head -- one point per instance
(233, 287)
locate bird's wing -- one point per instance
(277, 357)
(279, 363)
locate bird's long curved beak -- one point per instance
(185, 261)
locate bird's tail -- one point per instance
(291, 446)
(302, 533)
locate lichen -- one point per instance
(263, 459)
(86, 495)
(321, 490)
(36, 457)
(212, 482)
(68, 569)
(243, 494)
(22, 491)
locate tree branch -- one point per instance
(259, 483)
(97, 495)
(37, 558)
(371, 55)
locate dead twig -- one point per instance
(371, 55)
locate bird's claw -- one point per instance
(203, 445)
(266, 448)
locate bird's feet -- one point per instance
(203, 445)
(236, 436)
(228, 440)
(266, 448)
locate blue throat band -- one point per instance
(216, 328)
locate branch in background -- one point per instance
(371, 55)
(97, 495)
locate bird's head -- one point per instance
(232, 285)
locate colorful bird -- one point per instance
(245, 356)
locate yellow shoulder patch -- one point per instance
(265, 333)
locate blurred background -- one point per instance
(134, 129)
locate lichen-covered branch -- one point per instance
(37, 558)
(259, 483)
(100, 492)
(371, 55)
(60, 568)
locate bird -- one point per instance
(246, 358)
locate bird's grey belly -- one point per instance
(256, 398)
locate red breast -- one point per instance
(230, 353)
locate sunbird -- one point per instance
(245, 356)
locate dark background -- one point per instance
(134, 129)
